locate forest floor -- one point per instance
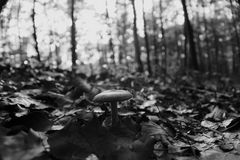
(46, 115)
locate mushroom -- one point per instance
(113, 96)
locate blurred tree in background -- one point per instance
(2, 4)
(157, 37)
(35, 38)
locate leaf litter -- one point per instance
(45, 116)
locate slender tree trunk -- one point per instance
(234, 51)
(186, 57)
(110, 41)
(163, 38)
(234, 67)
(125, 27)
(155, 43)
(58, 58)
(35, 38)
(216, 48)
(193, 53)
(216, 56)
(199, 44)
(122, 31)
(200, 56)
(178, 50)
(146, 41)
(2, 36)
(50, 36)
(206, 30)
(119, 33)
(50, 55)
(111, 46)
(73, 37)
(136, 40)
(236, 33)
(22, 56)
(124, 45)
(4, 30)
(122, 48)
(99, 48)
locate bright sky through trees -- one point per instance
(53, 17)
(91, 28)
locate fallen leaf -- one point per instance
(234, 126)
(23, 146)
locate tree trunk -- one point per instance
(110, 41)
(73, 37)
(111, 46)
(122, 31)
(35, 38)
(193, 60)
(22, 56)
(58, 58)
(200, 53)
(209, 68)
(4, 27)
(199, 43)
(146, 41)
(163, 38)
(2, 4)
(155, 43)
(186, 57)
(50, 55)
(2, 36)
(216, 48)
(234, 23)
(136, 40)
(178, 50)
(234, 66)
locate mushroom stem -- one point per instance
(114, 114)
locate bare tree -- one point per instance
(146, 40)
(199, 41)
(73, 35)
(136, 40)
(190, 37)
(155, 41)
(216, 45)
(4, 26)
(234, 23)
(19, 32)
(186, 59)
(122, 26)
(110, 41)
(163, 38)
(206, 39)
(35, 38)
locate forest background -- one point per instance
(157, 37)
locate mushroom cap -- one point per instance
(112, 95)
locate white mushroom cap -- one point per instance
(112, 96)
